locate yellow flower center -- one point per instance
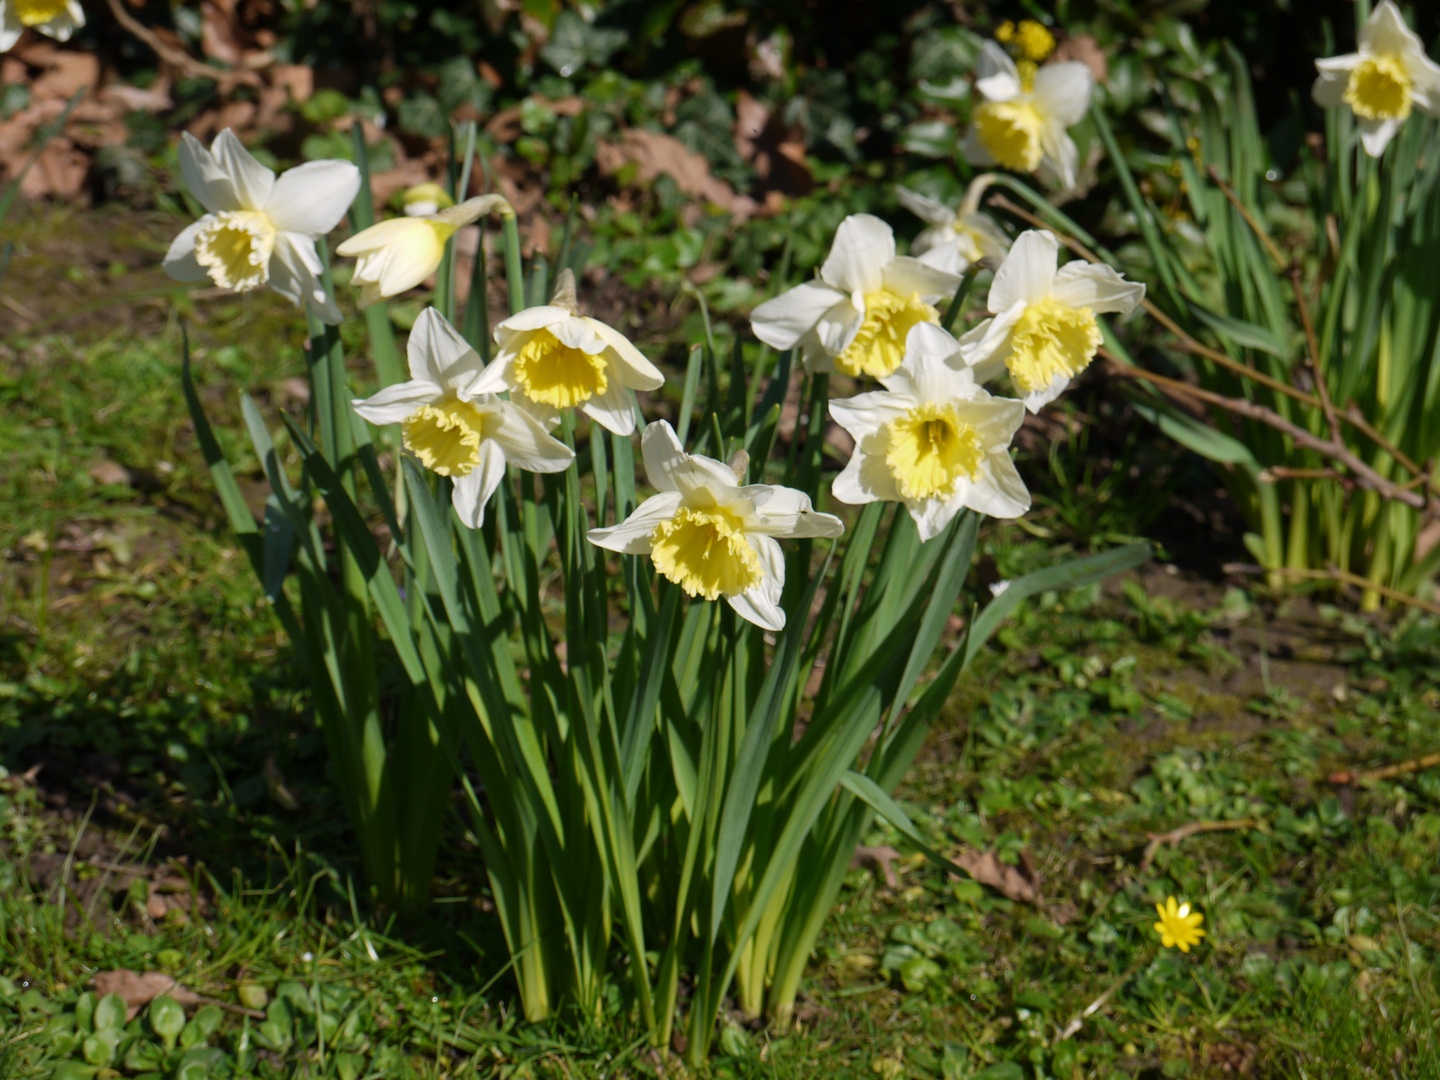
(446, 437)
(929, 449)
(1051, 339)
(1379, 88)
(1033, 41)
(1010, 130)
(879, 346)
(557, 375)
(235, 248)
(705, 552)
(37, 12)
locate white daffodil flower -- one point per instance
(855, 317)
(1381, 83)
(552, 359)
(955, 238)
(455, 431)
(712, 536)
(53, 18)
(932, 439)
(427, 198)
(259, 230)
(1022, 122)
(1044, 329)
(399, 254)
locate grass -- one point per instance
(141, 672)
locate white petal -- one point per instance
(63, 25)
(761, 605)
(782, 321)
(996, 75)
(783, 511)
(528, 445)
(613, 410)
(312, 198)
(865, 479)
(440, 356)
(1062, 92)
(1329, 89)
(1096, 286)
(253, 181)
(635, 370)
(905, 275)
(927, 343)
(1385, 32)
(10, 29)
(945, 257)
(393, 268)
(1060, 155)
(395, 403)
(863, 246)
(999, 492)
(180, 261)
(933, 514)
(632, 536)
(295, 274)
(498, 375)
(1035, 400)
(993, 241)
(1026, 275)
(837, 328)
(1375, 135)
(205, 178)
(473, 490)
(534, 318)
(931, 211)
(669, 468)
(865, 414)
(987, 344)
(577, 333)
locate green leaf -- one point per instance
(1210, 443)
(1245, 334)
(167, 1018)
(110, 1013)
(868, 792)
(1001, 1070)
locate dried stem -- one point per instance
(1312, 352)
(1356, 776)
(1184, 832)
(171, 55)
(1334, 573)
(1244, 211)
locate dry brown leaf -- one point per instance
(882, 857)
(139, 990)
(777, 151)
(1085, 49)
(656, 154)
(221, 37)
(1020, 883)
(62, 71)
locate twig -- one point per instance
(1099, 1003)
(1184, 832)
(1385, 772)
(1244, 212)
(171, 55)
(1334, 573)
(1312, 352)
(1272, 473)
(1365, 476)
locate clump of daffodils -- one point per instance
(955, 239)
(855, 318)
(397, 255)
(1022, 121)
(456, 430)
(1384, 81)
(58, 19)
(1179, 927)
(550, 358)
(1044, 330)
(259, 229)
(711, 535)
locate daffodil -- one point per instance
(932, 439)
(419, 200)
(855, 317)
(1044, 330)
(456, 431)
(53, 18)
(1179, 927)
(709, 534)
(1021, 123)
(400, 253)
(257, 229)
(551, 359)
(955, 238)
(1384, 81)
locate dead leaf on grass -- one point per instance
(1020, 882)
(656, 154)
(882, 858)
(139, 989)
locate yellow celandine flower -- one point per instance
(954, 239)
(551, 359)
(58, 19)
(260, 230)
(1179, 927)
(1021, 122)
(1030, 39)
(1384, 81)
(712, 536)
(398, 254)
(456, 431)
(932, 439)
(855, 317)
(1044, 330)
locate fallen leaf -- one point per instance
(882, 857)
(655, 154)
(1015, 882)
(139, 990)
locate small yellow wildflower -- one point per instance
(1179, 927)
(1032, 40)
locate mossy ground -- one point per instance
(157, 744)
